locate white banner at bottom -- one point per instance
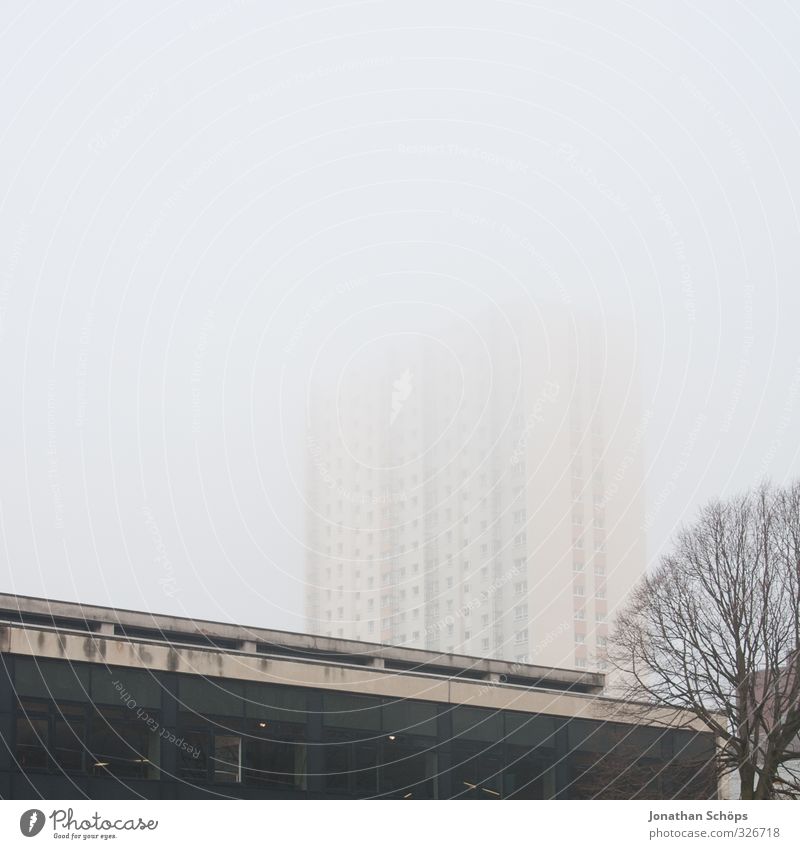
(389, 824)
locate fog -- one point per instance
(209, 209)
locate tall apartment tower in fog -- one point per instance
(478, 490)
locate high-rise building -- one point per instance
(479, 490)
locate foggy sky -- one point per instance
(203, 204)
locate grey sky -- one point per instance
(194, 196)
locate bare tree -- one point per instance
(713, 634)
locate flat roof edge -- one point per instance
(297, 643)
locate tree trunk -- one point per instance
(766, 780)
(746, 780)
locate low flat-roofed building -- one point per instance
(105, 703)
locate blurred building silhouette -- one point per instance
(479, 490)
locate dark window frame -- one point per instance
(51, 711)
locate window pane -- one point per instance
(271, 762)
(530, 729)
(51, 679)
(529, 775)
(490, 775)
(476, 772)
(33, 706)
(274, 754)
(193, 721)
(365, 771)
(227, 758)
(587, 736)
(31, 752)
(348, 711)
(407, 717)
(408, 770)
(264, 701)
(693, 744)
(115, 685)
(193, 759)
(122, 746)
(211, 696)
(69, 735)
(337, 771)
(476, 724)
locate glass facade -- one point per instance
(107, 732)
